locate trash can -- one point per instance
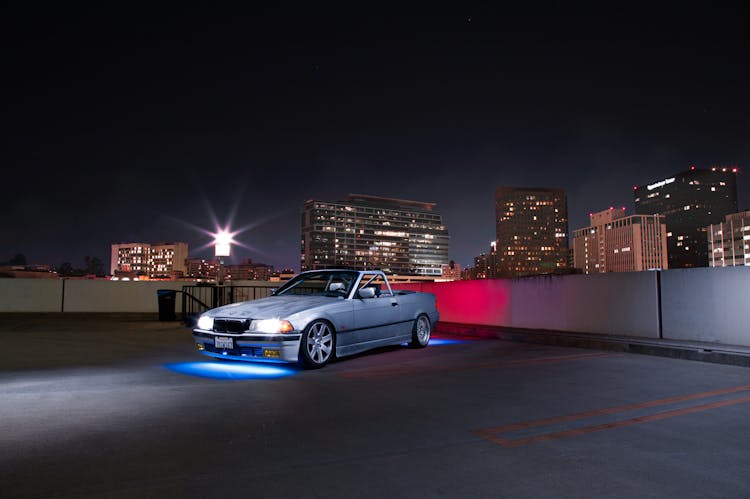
(166, 299)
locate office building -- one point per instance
(614, 242)
(532, 231)
(370, 232)
(151, 260)
(691, 201)
(729, 241)
(450, 272)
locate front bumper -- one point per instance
(250, 347)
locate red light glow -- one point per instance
(734, 170)
(481, 301)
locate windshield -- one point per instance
(333, 283)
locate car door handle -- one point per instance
(394, 304)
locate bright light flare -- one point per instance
(223, 240)
(229, 370)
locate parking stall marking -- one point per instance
(401, 370)
(494, 434)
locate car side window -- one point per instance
(375, 281)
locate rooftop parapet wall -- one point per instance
(623, 303)
(705, 304)
(31, 295)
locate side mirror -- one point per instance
(366, 293)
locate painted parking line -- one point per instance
(414, 369)
(495, 434)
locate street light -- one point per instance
(222, 248)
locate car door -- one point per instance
(375, 318)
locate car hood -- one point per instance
(273, 307)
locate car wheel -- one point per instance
(420, 333)
(318, 345)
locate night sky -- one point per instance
(138, 126)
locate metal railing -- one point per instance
(197, 299)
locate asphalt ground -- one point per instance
(122, 406)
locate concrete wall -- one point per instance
(711, 305)
(622, 303)
(84, 295)
(116, 296)
(31, 295)
(616, 303)
(707, 304)
(483, 301)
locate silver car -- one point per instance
(318, 315)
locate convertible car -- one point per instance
(318, 315)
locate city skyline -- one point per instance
(124, 129)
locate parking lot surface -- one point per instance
(122, 406)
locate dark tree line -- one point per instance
(18, 259)
(91, 266)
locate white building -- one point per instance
(729, 242)
(149, 259)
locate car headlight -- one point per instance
(206, 322)
(271, 326)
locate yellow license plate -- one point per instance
(271, 354)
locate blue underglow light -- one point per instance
(230, 370)
(444, 341)
(438, 342)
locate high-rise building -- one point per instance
(691, 201)
(615, 242)
(371, 232)
(152, 260)
(729, 241)
(532, 231)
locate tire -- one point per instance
(318, 345)
(420, 333)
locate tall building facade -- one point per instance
(149, 259)
(691, 201)
(370, 232)
(729, 241)
(532, 231)
(615, 242)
